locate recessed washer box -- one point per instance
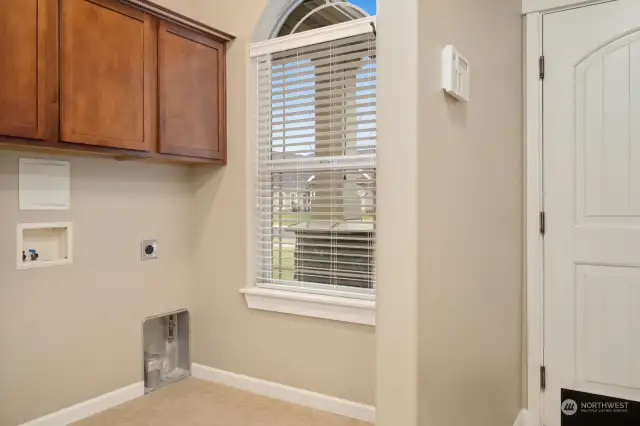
(166, 349)
(51, 242)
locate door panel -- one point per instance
(591, 136)
(191, 90)
(28, 68)
(608, 93)
(108, 75)
(608, 322)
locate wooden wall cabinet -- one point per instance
(139, 82)
(191, 70)
(29, 68)
(108, 75)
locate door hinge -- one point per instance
(543, 377)
(543, 223)
(541, 64)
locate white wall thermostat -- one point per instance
(455, 74)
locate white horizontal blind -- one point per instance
(316, 160)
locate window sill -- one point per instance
(312, 305)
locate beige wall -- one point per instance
(470, 209)
(70, 333)
(397, 250)
(323, 356)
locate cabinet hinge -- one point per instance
(543, 377)
(543, 223)
(541, 64)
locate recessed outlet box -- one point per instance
(149, 249)
(43, 244)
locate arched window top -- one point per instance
(312, 14)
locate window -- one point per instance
(314, 216)
(312, 14)
(316, 165)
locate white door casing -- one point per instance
(591, 133)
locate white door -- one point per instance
(592, 201)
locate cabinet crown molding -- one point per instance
(164, 13)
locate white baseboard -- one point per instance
(298, 396)
(90, 407)
(523, 419)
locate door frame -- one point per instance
(533, 11)
(534, 205)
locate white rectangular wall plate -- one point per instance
(44, 184)
(53, 243)
(455, 74)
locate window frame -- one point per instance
(351, 307)
(292, 6)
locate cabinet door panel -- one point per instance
(108, 75)
(28, 68)
(191, 73)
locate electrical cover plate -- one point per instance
(149, 249)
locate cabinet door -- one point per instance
(29, 68)
(191, 73)
(108, 75)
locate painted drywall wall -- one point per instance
(470, 218)
(71, 333)
(397, 177)
(320, 355)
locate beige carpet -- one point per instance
(193, 402)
